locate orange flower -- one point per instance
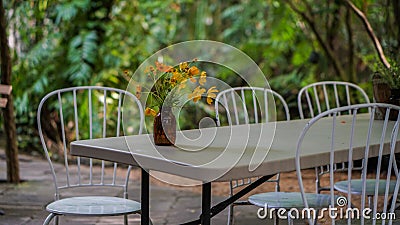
(182, 84)
(163, 68)
(196, 94)
(211, 94)
(203, 78)
(193, 71)
(176, 7)
(138, 91)
(150, 112)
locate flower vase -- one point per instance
(394, 100)
(164, 127)
(381, 92)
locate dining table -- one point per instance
(220, 154)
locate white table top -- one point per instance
(230, 150)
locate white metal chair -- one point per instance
(245, 105)
(384, 181)
(321, 96)
(325, 95)
(85, 113)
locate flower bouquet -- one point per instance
(170, 86)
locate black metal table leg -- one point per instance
(208, 213)
(206, 204)
(222, 205)
(145, 198)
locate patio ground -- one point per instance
(24, 203)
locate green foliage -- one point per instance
(82, 55)
(60, 44)
(390, 75)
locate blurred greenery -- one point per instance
(58, 44)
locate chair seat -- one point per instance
(356, 187)
(290, 200)
(94, 206)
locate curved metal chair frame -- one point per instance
(259, 113)
(74, 171)
(383, 182)
(317, 97)
(320, 98)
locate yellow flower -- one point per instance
(167, 78)
(175, 78)
(211, 94)
(193, 71)
(150, 112)
(196, 94)
(173, 82)
(183, 65)
(138, 91)
(203, 78)
(176, 75)
(172, 70)
(182, 84)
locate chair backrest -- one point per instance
(244, 105)
(321, 96)
(363, 136)
(86, 112)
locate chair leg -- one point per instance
(276, 219)
(317, 184)
(49, 218)
(370, 202)
(230, 215)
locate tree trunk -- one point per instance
(371, 33)
(310, 20)
(8, 111)
(351, 67)
(396, 12)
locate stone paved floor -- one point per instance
(24, 203)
